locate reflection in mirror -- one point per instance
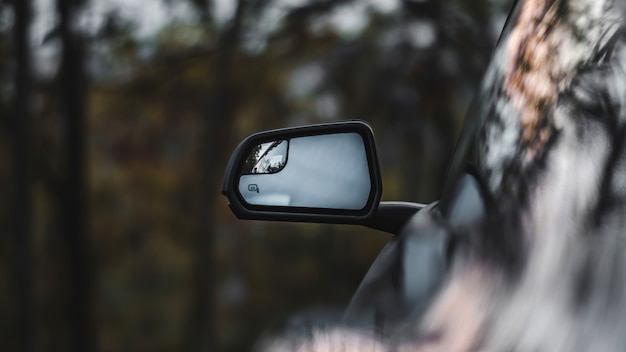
(325, 171)
(266, 158)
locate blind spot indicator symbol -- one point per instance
(253, 188)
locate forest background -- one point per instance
(116, 122)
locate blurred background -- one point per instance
(117, 118)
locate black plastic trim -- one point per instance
(391, 217)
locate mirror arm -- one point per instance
(392, 216)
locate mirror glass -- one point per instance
(325, 171)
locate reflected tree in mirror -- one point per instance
(266, 158)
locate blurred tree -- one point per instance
(215, 134)
(22, 176)
(72, 95)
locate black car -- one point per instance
(524, 249)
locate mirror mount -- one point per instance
(391, 217)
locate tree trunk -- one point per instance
(80, 307)
(21, 120)
(217, 119)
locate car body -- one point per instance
(537, 173)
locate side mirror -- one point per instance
(318, 173)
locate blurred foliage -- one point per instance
(410, 71)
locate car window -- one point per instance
(465, 152)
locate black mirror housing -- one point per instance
(324, 173)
